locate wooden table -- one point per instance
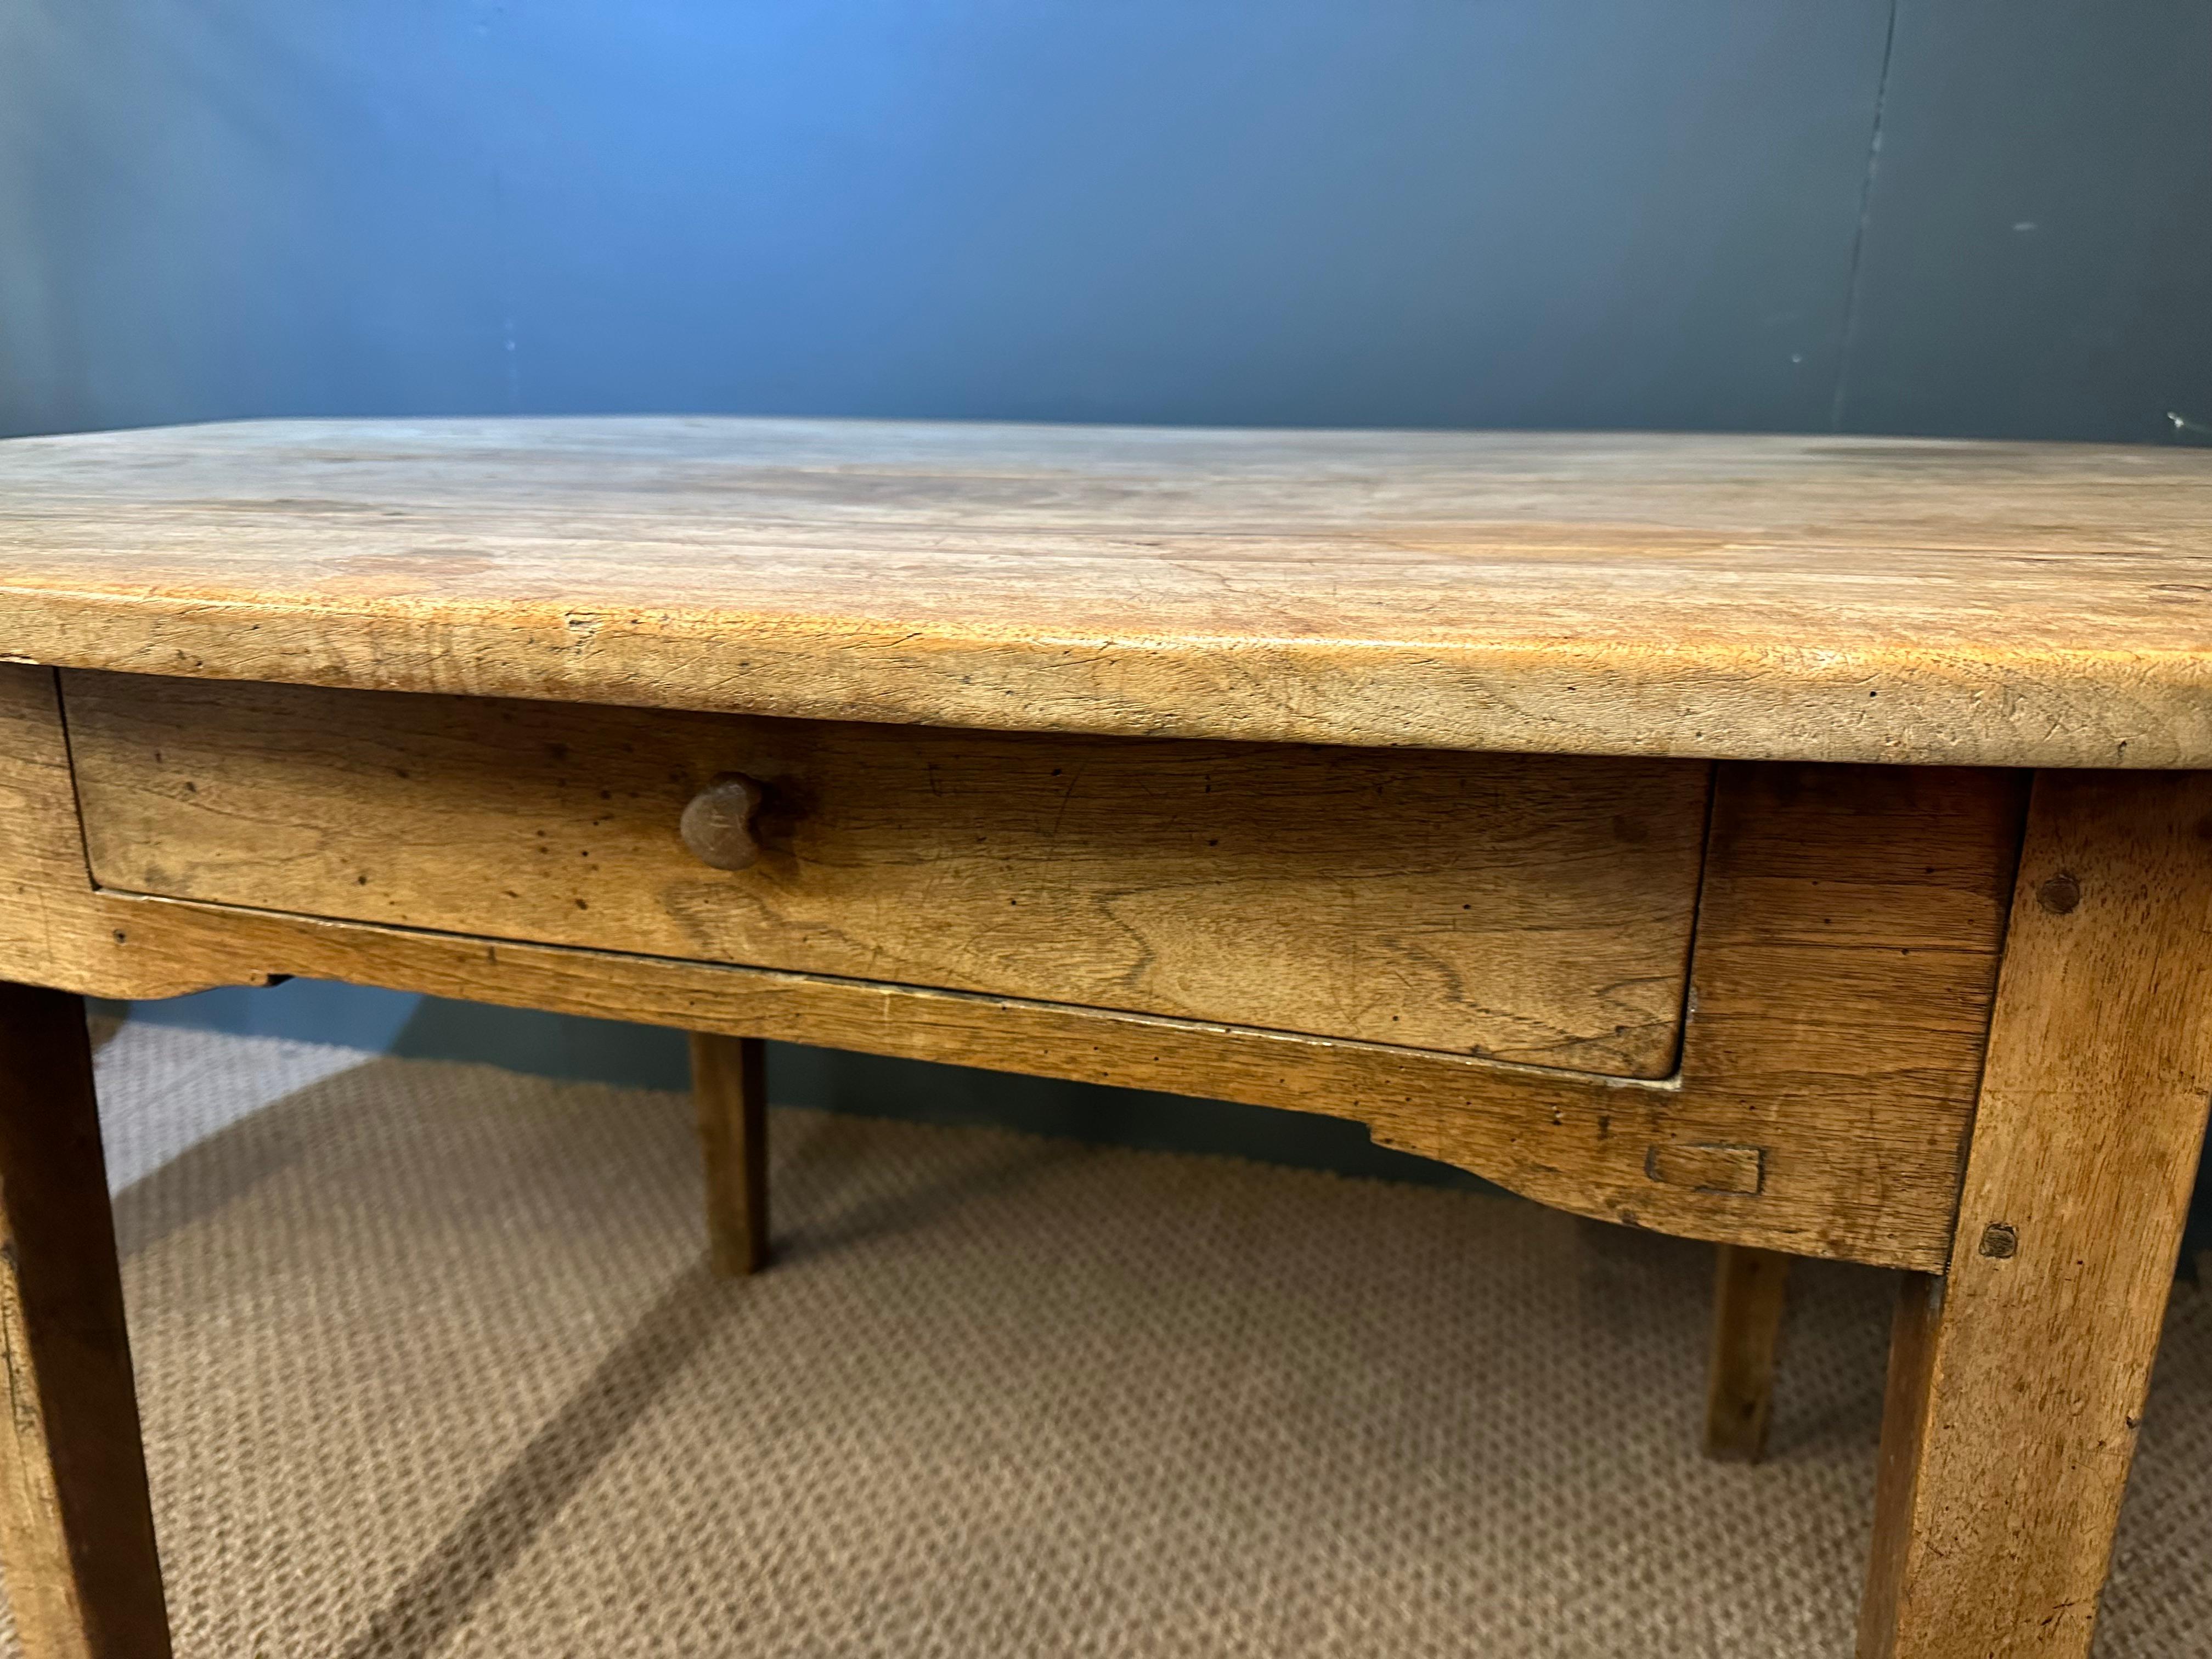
(1791, 842)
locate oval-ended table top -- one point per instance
(1773, 596)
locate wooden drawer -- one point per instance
(1533, 908)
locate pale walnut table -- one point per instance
(1790, 842)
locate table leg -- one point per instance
(729, 1088)
(1750, 1289)
(2017, 1380)
(76, 1529)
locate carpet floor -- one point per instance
(430, 1366)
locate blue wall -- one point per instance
(1580, 212)
(1963, 216)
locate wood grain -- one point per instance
(1840, 983)
(76, 1527)
(1751, 1290)
(1778, 597)
(1533, 908)
(729, 1090)
(2017, 1382)
(1846, 956)
(54, 928)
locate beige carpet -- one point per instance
(430, 1367)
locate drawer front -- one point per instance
(1532, 908)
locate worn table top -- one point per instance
(1805, 598)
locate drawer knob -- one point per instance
(718, 824)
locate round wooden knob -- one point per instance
(718, 824)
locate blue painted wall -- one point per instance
(1582, 212)
(1964, 217)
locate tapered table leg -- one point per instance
(76, 1529)
(729, 1087)
(1750, 1290)
(2017, 1379)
